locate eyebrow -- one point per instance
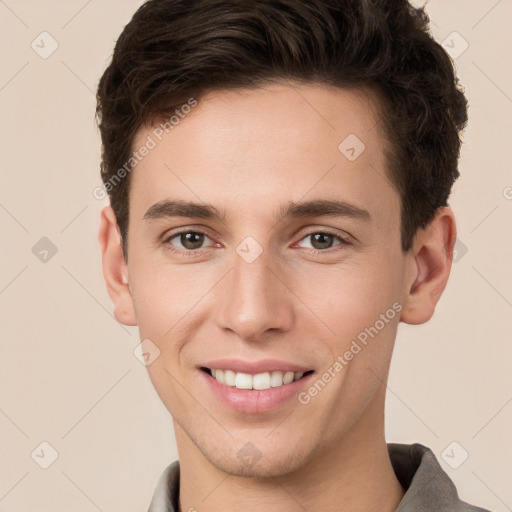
(323, 208)
(317, 208)
(176, 208)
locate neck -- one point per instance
(354, 473)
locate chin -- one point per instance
(249, 461)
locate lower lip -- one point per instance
(252, 400)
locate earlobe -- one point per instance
(430, 261)
(115, 270)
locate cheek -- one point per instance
(348, 299)
(168, 309)
(165, 295)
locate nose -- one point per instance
(254, 299)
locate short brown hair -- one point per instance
(174, 49)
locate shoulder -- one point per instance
(428, 487)
(165, 496)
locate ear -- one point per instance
(115, 269)
(430, 262)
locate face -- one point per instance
(264, 240)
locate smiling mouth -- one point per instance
(259, 381)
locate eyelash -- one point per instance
(344, 241)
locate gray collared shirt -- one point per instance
(428, 488)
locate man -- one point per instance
(278, 174)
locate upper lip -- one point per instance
(255, 367)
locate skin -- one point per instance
(248, 153)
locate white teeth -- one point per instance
(288, 377)
(243, 381)
(229, 378)
(276, 379)
(260, 381)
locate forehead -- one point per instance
(248, 146)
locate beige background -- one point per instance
(68, 375)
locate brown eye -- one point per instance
(191, 240)
(187, 240)
(322, 240)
